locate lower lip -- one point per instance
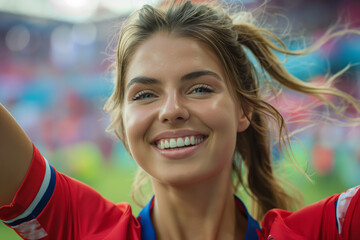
(180, 152)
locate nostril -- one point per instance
(174, 114)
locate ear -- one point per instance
(243, 120)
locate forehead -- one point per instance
(166, 55)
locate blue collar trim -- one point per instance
(148, 232)
(253, 226)
(147, 228)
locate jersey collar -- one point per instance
(148, 232)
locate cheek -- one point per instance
(221, 118)
(219, 115)
(137, 121)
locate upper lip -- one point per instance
(176, 134)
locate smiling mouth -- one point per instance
(180, 142)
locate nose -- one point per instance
(173, 110)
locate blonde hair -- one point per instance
(229, 38)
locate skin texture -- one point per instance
(164, 98)
(16, 154)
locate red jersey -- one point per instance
(51, 205)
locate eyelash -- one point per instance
(205, 87)
(140, 95)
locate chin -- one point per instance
(186, 177)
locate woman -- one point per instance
(188, 108)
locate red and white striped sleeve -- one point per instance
(30, 200)
(347, 209)
(51, 205)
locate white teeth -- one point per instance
(179, 142)
(166, 144)
(172, 143)
(187, 141)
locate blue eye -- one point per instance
(142, 96)
(202, 89)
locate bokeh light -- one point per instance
(84, 34)
(63, 52)
(76, 9)
(17, 38)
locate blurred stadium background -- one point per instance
(53, 80)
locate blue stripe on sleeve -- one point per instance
(41, 204)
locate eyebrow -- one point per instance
(198, 74)
(186, 77)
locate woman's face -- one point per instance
(180, 120)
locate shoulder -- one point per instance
(348, 213)
(52, 205)
(336, 217)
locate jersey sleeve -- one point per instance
(51, 205)
(348, 214)
(336, 217)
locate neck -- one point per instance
(204, 210)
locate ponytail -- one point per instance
(253, 145)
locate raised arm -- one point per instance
(15, 156)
